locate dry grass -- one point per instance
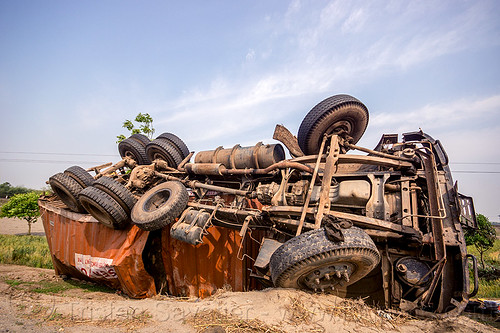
(130, 323)
(299, 314)
(218, 321)
(355, 310)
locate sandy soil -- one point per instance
(22, 309)
(15, 226)
(77, 310)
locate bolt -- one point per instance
(327, 276)
(317, 281)
(346, 277)
(402, 268)
(339, 275)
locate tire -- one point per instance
(333, 115)
(80, 175)
(177, 142)
(141, 138)
(164, 150)
(311, 261)
(104, 208)
(118, 192)
(160, 206)
(134, 149)
(67, 189)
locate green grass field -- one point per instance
(30, 251)
(489, 278)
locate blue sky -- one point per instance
(225, 72)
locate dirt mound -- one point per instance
(35, 299)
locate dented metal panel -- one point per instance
(83, 248)
(198, 271)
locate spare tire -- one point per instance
(177, 142)
(341, 114)
(134, 149)
(164, 150)
(160, 206)
(80, 175)
(67, 189)
(104, 208)
(311, 261)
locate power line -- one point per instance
(65, 154)
(474, 171)
(477, 163)
(22, 160)
(115, 155)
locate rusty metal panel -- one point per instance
(193, 271)
(198, 271)
(83, 248)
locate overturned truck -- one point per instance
(387, 224)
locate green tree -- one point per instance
(23, 206)
(483, 238)
(145, 123)
(7, 190)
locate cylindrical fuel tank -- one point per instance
(259, 156)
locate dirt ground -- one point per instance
(23, 308)
(15, 226)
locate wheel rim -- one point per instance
(159, 199)
(66, 197)
(327, 277)
(99, 214)
(158, 154)
(341, 126)
(128, 153)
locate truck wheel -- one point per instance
(164, 150)
(336, 114)
(141, 138)
(177, 142)
(134, 149)
(80, 175)
(160, 206)
(104, 208)
(119, 192)
(311, 261)
(67, 189)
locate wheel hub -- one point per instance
(157, 200)
(327, 277)
(340, 126)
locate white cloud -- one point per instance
(310, 50)
(355, 22)
(463, 112)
